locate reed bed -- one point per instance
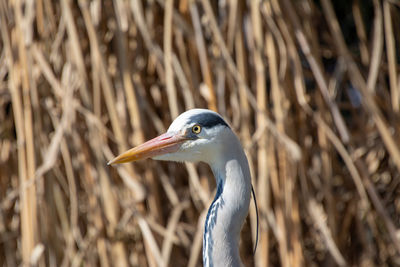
(311, 87)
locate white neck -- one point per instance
(229, 209)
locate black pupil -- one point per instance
(196, 129)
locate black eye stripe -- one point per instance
(208, 120)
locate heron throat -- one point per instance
(227, 212)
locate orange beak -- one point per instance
(163, 144)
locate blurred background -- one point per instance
(312, 88)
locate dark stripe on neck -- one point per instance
(211, 221)
(208, 120)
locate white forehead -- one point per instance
(186, 118)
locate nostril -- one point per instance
(165, 137)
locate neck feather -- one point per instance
(228, 211)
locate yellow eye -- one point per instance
(196, 129)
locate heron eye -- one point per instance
(196, 129)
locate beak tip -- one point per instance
(110, 162)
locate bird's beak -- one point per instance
(166, 143)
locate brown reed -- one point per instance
(312, 88)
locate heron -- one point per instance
(201, 135)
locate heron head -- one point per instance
(195, 135)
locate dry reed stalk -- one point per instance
(159, 229)
(94, 210)
(195, 250)
(66, 230)
(376, 48)
(21, 108)
(391, 56)
(171, 228)
(358, 80)
(362, 36)
(131, 96)
(244, 104)
(225, 53)
(137, 12)
(262, 171)
(118, 253)
(338, 144)
(104, 78)
(204, 66)
(25, 63)
(327, 176)
(153, 200)
(318, 72)
(289, 144)
(232, 24)
(380, 208)
(153, 253)
(169, 75)
(262, 182)
(320, 220)
(183, 57)
(281, 159)
(279, 224)
(77, 54)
